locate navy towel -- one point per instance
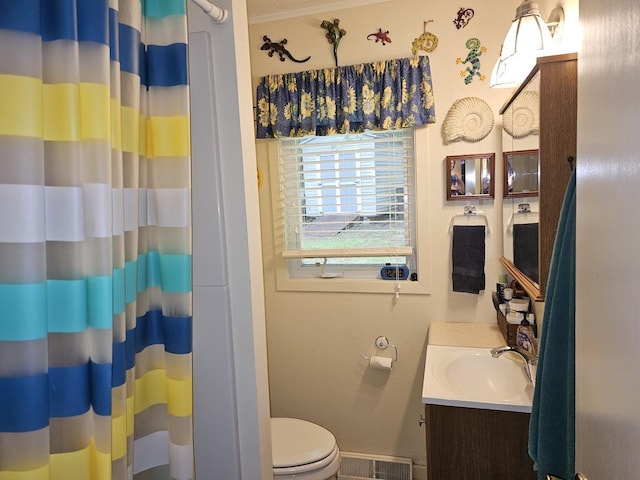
(468, 258)
(552, 424)
(525, 249)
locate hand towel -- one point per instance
(525, 249)
(552, 423)
(468, 258)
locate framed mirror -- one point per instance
(521, 173)
(470, 176)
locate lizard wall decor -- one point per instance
(463, 17)
(334, 35)
(380, 36)
(472, 61)
(280, 49)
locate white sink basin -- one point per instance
(472, 378)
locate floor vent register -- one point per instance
(360, 466)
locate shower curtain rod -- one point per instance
(218, 14)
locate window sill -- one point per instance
(350, 285)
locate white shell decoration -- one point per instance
(521, 118)
(469, 118)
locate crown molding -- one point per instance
(311, 10)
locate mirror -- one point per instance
(470, 176)
(520, 173)
(520, 146)
(540, 115)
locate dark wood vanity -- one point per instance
(554, 78)
(470, 442)
(474, 444)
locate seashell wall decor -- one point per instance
(469, 118)
(521, 119)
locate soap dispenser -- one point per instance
(526, 339)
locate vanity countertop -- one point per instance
(465, 334)
(460, 371)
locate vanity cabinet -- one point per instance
(555, 80)
(472, 444)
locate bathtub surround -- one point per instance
(228, 292)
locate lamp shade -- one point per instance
(528, 38)
(528, 32)
(510, 72)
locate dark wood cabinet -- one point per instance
(555, 80)
(476, 444)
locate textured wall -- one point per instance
(315, 340)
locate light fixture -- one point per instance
(555, 22)
(510, 72)
(528, 37)
(528, 32)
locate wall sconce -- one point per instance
(528, 37)
(555, 22)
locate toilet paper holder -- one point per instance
(383, 343)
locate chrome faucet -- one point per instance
(530, 360)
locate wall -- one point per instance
(315, 340)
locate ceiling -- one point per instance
(260, 11)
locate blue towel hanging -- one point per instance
(552, 425)
(468, 256)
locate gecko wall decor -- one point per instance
(380, 36)
(334, 35)
(464, 16)
(472, 61)
(279, 48)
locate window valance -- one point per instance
(382, 95)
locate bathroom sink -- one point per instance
(471, 377)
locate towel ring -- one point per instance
(467, 215)
(512, 218)
(523, 208)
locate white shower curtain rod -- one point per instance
(218, 14)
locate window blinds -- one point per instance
(348, 195)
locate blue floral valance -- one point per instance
(382, 95)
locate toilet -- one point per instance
(303, 450)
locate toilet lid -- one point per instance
(297, 442)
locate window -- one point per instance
(348, 203)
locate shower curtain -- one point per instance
(95, 240)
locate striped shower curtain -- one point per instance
(95, 240)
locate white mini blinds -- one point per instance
(348, 196)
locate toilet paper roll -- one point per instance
(380, 363)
